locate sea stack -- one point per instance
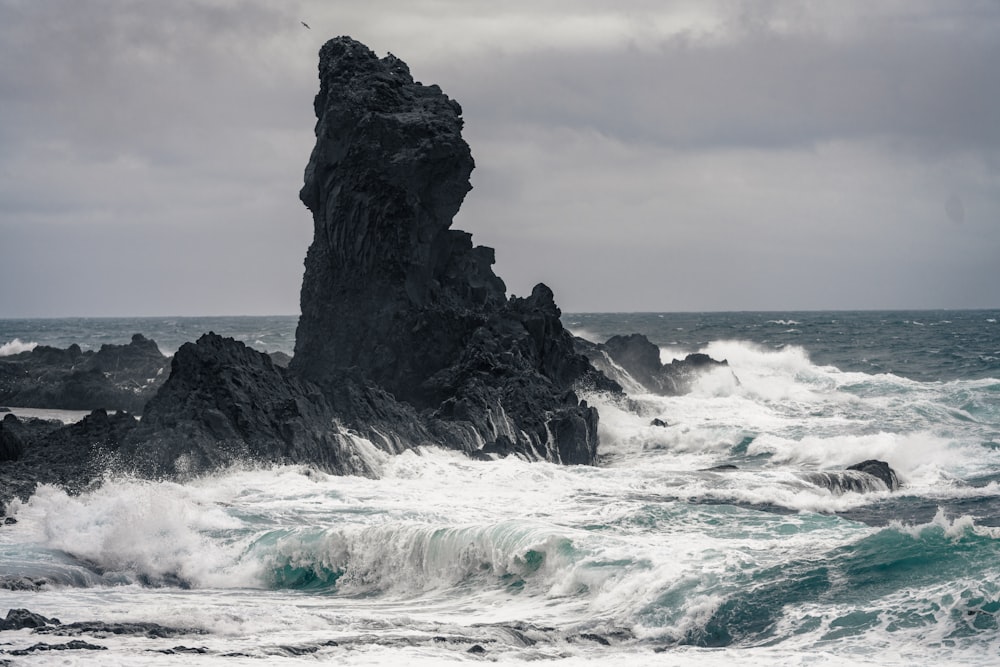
(406, 337)
(393, 295)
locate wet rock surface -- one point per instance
(70, 456)
(394, 294)
(640, 360)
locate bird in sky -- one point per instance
(305, 24)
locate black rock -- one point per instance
(879, 470)
(18, 619)
(476, 649)
(70, 456)
(392, 293)
(75, 645)
(100, 629)
(117, 377)
(11, 447)
(180, 650)
(640, 360)
(225, 402)
(659, 422)
(865, 477)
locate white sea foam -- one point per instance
(137, 531)
(16, 346)
(649, 541)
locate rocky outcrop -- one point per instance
(865, 477)
(394, 295)
(406, 336)
(634, 362)
(52, 453)
(19, 619)
(225, 403)
(116, 377)
(879, 470)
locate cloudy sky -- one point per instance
(640, 155)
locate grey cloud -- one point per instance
(926, 91)
(637, 156)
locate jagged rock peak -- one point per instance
(389, 171)
(390, 168)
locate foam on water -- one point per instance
(653, 549)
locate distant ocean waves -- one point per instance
(267, 334)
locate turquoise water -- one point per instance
(648, 558)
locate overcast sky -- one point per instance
(636, 156)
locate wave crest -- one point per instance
(16, 346)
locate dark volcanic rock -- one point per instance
(409, 304)
(17, 583)
(865, 477)
(75, 645)
(640, 359)
(224, 403)
(117, 377)
(70, 456)
(11, 447)
(101, 630)
(879, 470)
(18, 619)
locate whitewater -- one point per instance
(708, 541)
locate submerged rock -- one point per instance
(865, 477)
(102, 630)
(879, 470)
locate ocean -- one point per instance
(651, 557)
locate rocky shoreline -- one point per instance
(406, 338)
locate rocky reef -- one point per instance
(116, 377)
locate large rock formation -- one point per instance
(406, 336)
(393, 294)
